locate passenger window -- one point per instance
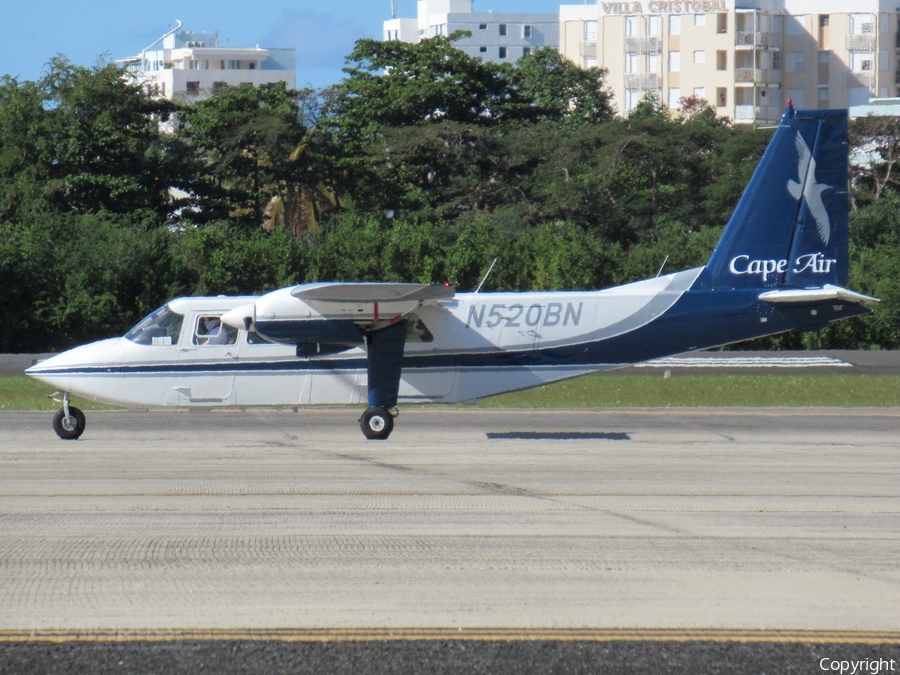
(417, 331)
(209, 330)
(254, 338)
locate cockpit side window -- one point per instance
(209, 330)
(160, 329)
(417, 331)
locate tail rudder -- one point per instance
(790, 226)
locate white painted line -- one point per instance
(746, 362)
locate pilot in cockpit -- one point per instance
(211, 332)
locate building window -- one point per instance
(861, 24)
(483, 50)
(860, 61)
(653, 25)
(795, 25)
(630, 26)
(824, 20)
(721, 23)
(797, 96)
(653, 62)
(674, 97)
(482, 26)
(526, 31)
(700, 56)
(502, 29)
(776, 60)
(795, 62)
(674, 62)
(252, 65)
(721, 97)
(631, 62)
(700, 93)
(699, 19)
(234, 65)
(721, 59)
(590, 31)
(590, 62)
(526, 51)
(193, 88)
(631, 99)
(502, 52)
(823, 94)
(674, 24)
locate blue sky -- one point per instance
(322, 32)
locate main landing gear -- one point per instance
(378, 423)
(68, 422)
(385, 355)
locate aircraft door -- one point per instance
(207, 357)
(429, 382)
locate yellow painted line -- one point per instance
(457, 634)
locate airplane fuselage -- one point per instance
(475, 345)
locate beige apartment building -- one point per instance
(745, 57)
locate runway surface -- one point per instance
(693, 526)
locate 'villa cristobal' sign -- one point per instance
(663, 7)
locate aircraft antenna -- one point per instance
(663, 265)
(484, 278)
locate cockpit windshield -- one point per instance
(160, 328)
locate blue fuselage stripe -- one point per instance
(698, 320)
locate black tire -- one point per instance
(376, 424)
(68, 429)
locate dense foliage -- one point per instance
(423, 164)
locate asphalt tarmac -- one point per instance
(694, 541)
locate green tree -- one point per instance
(83, 140)
(549, 86)
(250, 143)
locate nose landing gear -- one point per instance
(68, 422)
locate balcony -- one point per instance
(861, 43)
(756, 76)
(757, 40)
(643, 81)
(861, 79)
(747, 75)
(643, 45)
(588, 49)
(759, 114)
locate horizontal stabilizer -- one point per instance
(373, 292)
(827, 292)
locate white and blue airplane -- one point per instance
(781, 265)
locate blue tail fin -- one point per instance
(790, 229)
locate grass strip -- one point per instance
(614, 391)
(649, 391)
(18, 392)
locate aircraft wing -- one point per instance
(827, 292)
(370, 302)
(373, 292)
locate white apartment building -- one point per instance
(188, 66)
(745, 57)
(497, 38)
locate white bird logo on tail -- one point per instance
(809, 188)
